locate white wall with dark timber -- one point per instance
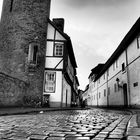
(133, 53)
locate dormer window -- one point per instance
(58, 49)
(32, 55)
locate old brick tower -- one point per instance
(23, 30)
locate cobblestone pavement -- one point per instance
(93, 124)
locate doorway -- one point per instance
(125, 95)
(66, 97)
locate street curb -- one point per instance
(38, 110)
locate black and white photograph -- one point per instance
(69, 69)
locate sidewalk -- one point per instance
(27, 110)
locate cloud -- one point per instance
(94, 3)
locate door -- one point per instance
(66, 97)
(125, 95)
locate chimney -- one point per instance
(59, 22)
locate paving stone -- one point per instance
(37, 137)
(77, 138)
(57, 135)
(89, 135)
(56, 138)
(98, 139)
(73, 135)
(116, 136)
(133, 132)
(133, 138)
(70, 133)
(101, 136)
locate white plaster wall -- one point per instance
(132, 51)
(49, 48)
(103, 99)
(51, 62)
(134, 75)
(59, 36)
(50, 33)
(67, 87)
(116, 98)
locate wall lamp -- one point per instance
(118, 82)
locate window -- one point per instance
(115, 88)
(99, 80)
(104, 92)
(108, 90)
(58, 49)
(104, 76)
(123, 66)
(116, 63)
(32, 55)
(135, 84)
(11, 5)
(50, 81)
(113, 66)
(108, 72)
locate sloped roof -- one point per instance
(133, 32)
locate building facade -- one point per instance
(117, 83)
(60, 81)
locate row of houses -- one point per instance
(117, 82)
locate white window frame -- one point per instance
(50, 81)
(58, 49)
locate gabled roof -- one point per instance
(133, 32)
(69, 43)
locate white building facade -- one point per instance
(60, 67)
(118, 82)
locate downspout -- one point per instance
(107, 91)
(97, 94)
(128, 80)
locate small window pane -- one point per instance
(58, 49)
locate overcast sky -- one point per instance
(96, 28)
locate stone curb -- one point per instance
(133, 132)
(34, 110)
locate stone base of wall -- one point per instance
(58, 104)
(12, 91)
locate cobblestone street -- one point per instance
(93, 124)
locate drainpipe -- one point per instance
(128, 80)
(97, 94)
(107, 92)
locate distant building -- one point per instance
(117, 83)
(60, 81)
(86, 96)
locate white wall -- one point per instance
(134, 72)
(66, 89)
(55, 98)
